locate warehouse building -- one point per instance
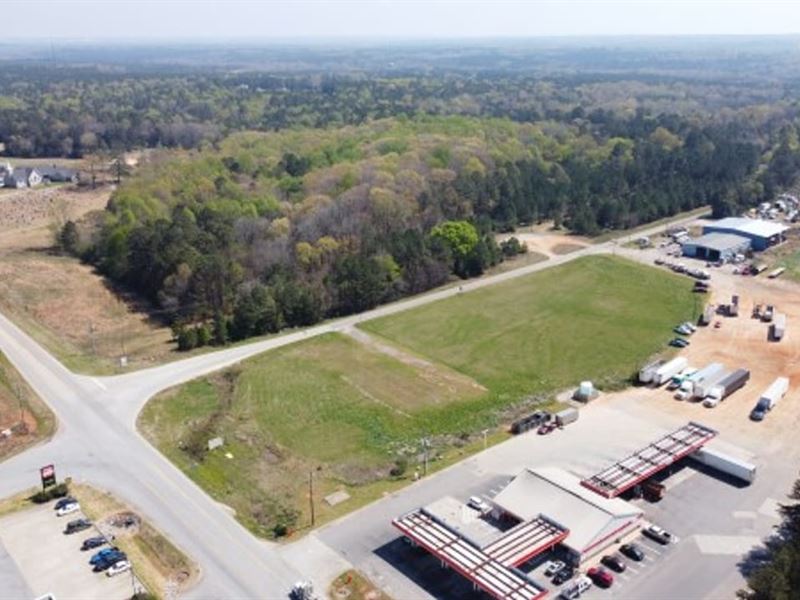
(716, 246)
(594, 522)
(762, 234)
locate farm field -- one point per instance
(21, 412)
(347, 409)
(595, 318)
(65, 305)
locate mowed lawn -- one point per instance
(595, 318)
(330, 403)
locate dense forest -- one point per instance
(267, 230)
(305, 182)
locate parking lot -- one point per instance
(48, 561)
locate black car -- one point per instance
(565, 574)
(109, 560)
(615, 563)
(632, 551)
(77, 525)
(93, 542)
(64, 501)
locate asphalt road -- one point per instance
(97, 442)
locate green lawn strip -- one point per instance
(594, 318)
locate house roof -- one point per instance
(559, 496)
(755, 227)
(720, 241)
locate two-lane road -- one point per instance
(97, 442)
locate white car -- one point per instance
(573, 591)
(690, 326)
(118, 567)
(68, 509)
(478, 504)
(553, 567)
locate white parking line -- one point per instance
(651, 549)
(99, 384)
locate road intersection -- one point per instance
(97, 442)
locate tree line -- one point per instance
(267, 231)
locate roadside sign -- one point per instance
(48, 474)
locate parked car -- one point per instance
(573, 591)
(564, 574)
(600, 577)
(546, 428)
(690, 326)
(118, 567)
(104, 553)
(93, 542)
(478, 504)
(553, 567)
(62, 502)
(654, 532)
(679, 342)
(68, 509)
(683, 330)
(77, 525)
(614, 562)
(109, 561)
(632, 551)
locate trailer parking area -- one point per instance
(51, 562)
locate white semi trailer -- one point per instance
(689, 388)
(778, 326)
(770, 398)
(665, 372)
(726, 464)
(646, 372)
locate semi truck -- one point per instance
(677, 380)
(770, 398)
(778, 327)
(690, 387)
(726, 386)
(646, 372)
(733, 307)
(665, 372)
(725, 463)
(768, 313)
(708, 314)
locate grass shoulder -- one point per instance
(25, 420)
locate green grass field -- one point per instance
(345, 411)
(595, 318)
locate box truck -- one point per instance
(566, 416)
(693, 385)
(665, 372)
(726, 387)
(770, 398)
(778, 326)
(646, 372)
(708, 314)
(726, 464)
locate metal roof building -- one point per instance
(762, 234)
(716, 246)
(594, 522)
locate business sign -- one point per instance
(48, 474)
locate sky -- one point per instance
(278, 20)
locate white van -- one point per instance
(573, 591)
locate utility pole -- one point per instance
(18, 393)
(311, 495)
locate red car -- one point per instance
(600, 576)
(546, 428)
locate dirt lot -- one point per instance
(743, 342)
(543, 240)
(64, 304)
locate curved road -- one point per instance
(97, 442)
